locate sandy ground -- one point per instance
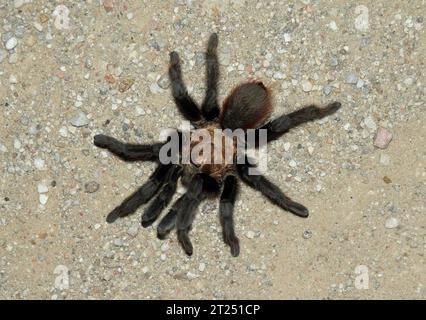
(63, 80)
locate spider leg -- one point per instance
(210, 106)
(183, 100)
(128, 151)
(163, 198)
(276, 128)
(271, 191)
(182, 214)
(142, 195)
(226, 208)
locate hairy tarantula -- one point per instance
(248, 106)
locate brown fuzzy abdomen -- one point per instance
(247, 107)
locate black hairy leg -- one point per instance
(182, 214)
(186, 105)
(163, 198)
(142, 195)
(271, 191)
(128, 151)
(276, 128)
(210, 106)
(226, 212)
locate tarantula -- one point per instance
(248, 106)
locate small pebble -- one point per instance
(79, 119)
(43, 198)
(155, 88)
(118, 242)
(38, 26)
(287, 146)
(333, 25)
(13, 79)
(191, 276)
(327, 90)
(202, 267)
(163, 82)
(17, 144)
(18, 3)
(91, 187)
(384, 159)
(42, 188)
(307, 234)
(383, 138)
(250, 234)
(292, 163)
(11, 43)
(361, 21)
(352, 78)
(133, 230)
(370, 123)
(39, 163)
(3, 55)
(306, 85)
(164, 247)
(63, 132)
(391, 223)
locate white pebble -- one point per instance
(13, 79)
(11, 43)
(306, 85)
(333, 25)
(361, 21)
(42, 188)
(155, 88)
(43, 198)
(17, 144)
(191, 276)
(287, 146)
(3, 148)
(202, 267)
(38, 26)
(18, 3)
(385, 159)
(39, 163)
(391, 223)
(79, 119)
(370, 123)
(250, 234)
(133, 230)
(140, 111)
(287, 37)
(292, 163)
(63, 132)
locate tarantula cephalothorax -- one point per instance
(248, 106)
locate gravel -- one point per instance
(11, 43)
(79, 119)
(383, 138)
(91, 187)
(357, 171)
(391, 223)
